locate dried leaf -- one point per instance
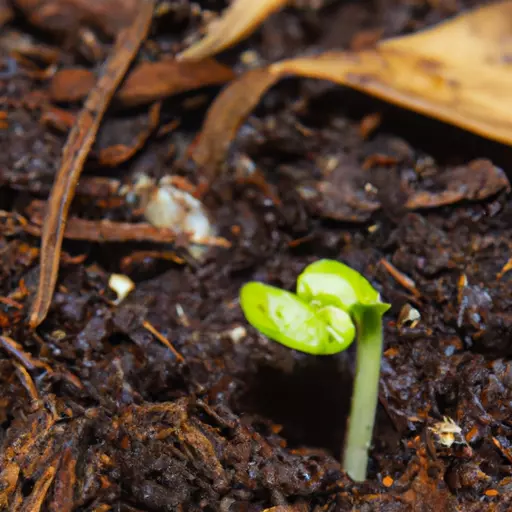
(238, 21)
(469, 86)
(148, 82)
(227, 113)
(151, 81)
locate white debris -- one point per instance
(167, 206)
(122, 285)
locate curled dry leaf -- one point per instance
(148, 82)
(238, 21)
(226, 115)
(469, 86)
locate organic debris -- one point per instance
(414, 72)
(146, 83)
(75, 152)
(236, 23)
(168, 399)
(122, 285)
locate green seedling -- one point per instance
(332, 303)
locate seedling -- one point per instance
(332, 303)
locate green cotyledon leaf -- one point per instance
(285, 318)
(329, 282)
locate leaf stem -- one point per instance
(365, 393)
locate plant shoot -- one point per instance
(332, 303)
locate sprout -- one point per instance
(332, 302)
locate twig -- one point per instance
(80, 141)
(402, 279)
(163, 340)
(107, 231)
(26, 380)
(506, 268)
(25, 359)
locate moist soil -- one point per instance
(97, 414)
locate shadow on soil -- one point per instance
(311, 403)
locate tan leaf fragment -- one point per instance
(238, 21)
(458, 72)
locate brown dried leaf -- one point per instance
(151, 81)
(238, 21)
(469, 86)
(148, 82)
(227, 113)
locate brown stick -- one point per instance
(75, 152)
(109, 231)
(162, 339)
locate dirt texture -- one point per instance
(97, 413)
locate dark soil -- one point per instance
(98, 415)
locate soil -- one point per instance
(97, 414)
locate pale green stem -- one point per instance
(365, 394)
